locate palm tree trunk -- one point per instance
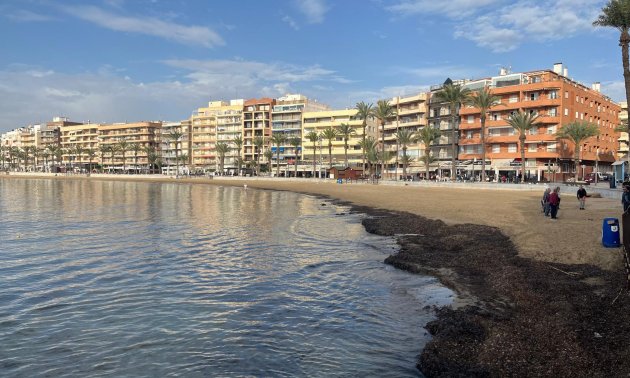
(405, 161)
(383, 149)
(314, 157)
(345, 151)
(522, 140)
(577, 162)
(330, 156)
(624, 40)
(363, 148)
(453, 147)
(426, 161)
(483, 148)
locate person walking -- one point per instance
(625, 198)
(554, 202)
(545, 201)
(581, 196)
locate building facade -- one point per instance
(557, 100)
(256, 123)
(131, 143)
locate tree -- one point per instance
(175, 136)
(268, 154)
(91, 154)
(383, 111)
(404, 138)
(149, 150)
(14, 154)
(427, 136)
(123, 147)
(483, 100)
(238, 142)
(522, 122)
(345, 131)
(59, 152)
(364, 111)
(136, 148)
(24, 155)
(369, 145)
(577, 132)
(113, 149)
(52, 150)
(45, 155)
(314, 138)
(103, 149)
(222, 149)
(258, 144)
(330, 134)
(77, 151)
(278, 139)
(616, 14)
(455, 96)
(296, 143)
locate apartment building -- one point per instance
(286, 119)
(132, 142)
(77, 140)
(322, 120)
(411, 114)
(623, 136)
(229, 120)
(557, 100)
(168, 145)
(256, 123)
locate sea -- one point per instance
(111, 279)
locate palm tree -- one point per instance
(330, 134)
(383, 111)
(91, 153)
(103, 149)
(123, 147)
(59, 152)
(483, 100)
(222, 149)
(296, 143)
(14, 154)
(2, 151)
(455, 96)
(78, 153)
(522, 122)
(369, 145)
(268, 155)
(278, 139)
(427, 136)
(258, 144)
(616, 14)
(24, 155)
(345, 131)
(136, 148)
(113, 149)
(404, 138)
(577, 132)
(52, 150)
(364, 111)
(314, 138)
(175, 136)
(45, 155)
(149, 150)
(238, 142)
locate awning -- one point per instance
(618, 162)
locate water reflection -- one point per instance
(124, 278)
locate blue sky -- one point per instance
(132, 60)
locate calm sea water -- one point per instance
(138, 279)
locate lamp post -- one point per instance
(596, 165)
(473, 169)
(319, 171)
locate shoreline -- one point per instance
(517, 312)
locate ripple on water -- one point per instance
(161, 279)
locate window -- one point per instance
(577, 98)
(551, 129)
(470, 119)
(496, 116)
(566, 111)
(469, 134)
(566, 94)
(496, 148)
(533, 130)
(551, 147)
(512, 147)
(513, 98)
(553, 95)
(532, 147)
(553, 112)
(577, 115)
(533, 96)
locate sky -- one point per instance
(133, 60)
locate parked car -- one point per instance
(590, 178)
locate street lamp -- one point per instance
(596, 165)
(319, 171)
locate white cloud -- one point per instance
(314, 10)
(291, 22)
(616, 90)
(440, 72)
(34, 94)
(23, 15)
(451, 8)
(192, 35)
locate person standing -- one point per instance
(581, 196)
(545, 201)
(554, 202)
(625, 198)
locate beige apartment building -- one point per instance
(168, 146)
(410, 115)
(229, 121)
(322, 120)
(131, 143)
(623, 136)
(286, 120)
(256, 123)
(76, 142)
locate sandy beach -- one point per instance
(537, 296)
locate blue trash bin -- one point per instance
(610, 233)
(339, 181)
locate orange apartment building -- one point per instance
(558, 100)
(256, 123)
(142, 134)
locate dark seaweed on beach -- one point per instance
(522, 317)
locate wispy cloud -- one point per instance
(314, 10)
(23, 15)
(291, 22)
(192, 35)
(453, 8)
(502, 26)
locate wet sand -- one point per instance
(537, 297)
